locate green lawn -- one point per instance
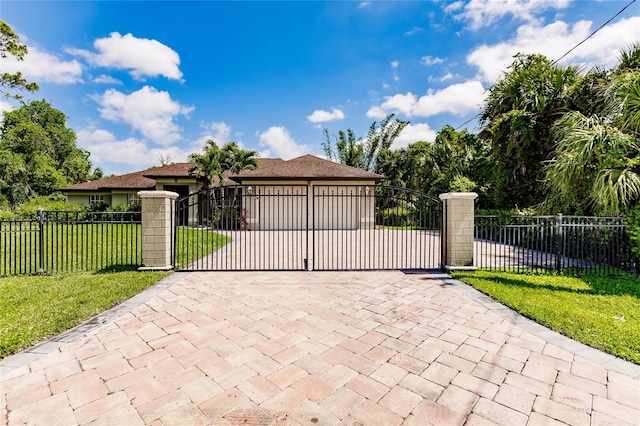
(35, 307)
(601, 312)
(193, 244)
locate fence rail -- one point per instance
(56, 242)
(595, 245)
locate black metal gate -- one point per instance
(301, 227)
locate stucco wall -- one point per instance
(83, 197)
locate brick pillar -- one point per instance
(157, 229)
(457, 230)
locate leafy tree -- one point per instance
(10, 45)
(363, 153)
(455, 161)
(517, 119)
(597, 163)
(38, 153)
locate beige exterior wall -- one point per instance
(83, 197)
(347, 205)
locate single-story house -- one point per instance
(124, 188)
(339, 196)
(295, 194)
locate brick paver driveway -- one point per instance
(352, 348)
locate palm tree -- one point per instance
(516, 119)
(598, 157)
(208, 164)
(237, 160)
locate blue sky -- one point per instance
(144, 80)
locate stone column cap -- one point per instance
(458, 195)
(158, 194)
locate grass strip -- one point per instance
(598, 311)
(33, 308)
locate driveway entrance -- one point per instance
(325, 228)
(330, 348)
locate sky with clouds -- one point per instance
(140, 81)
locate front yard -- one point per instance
(34, 307)
(601, 312)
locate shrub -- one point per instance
(633, 230)
(29, 210)
(397, 216)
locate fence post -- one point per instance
(458, 224)
(559, 244)
(41, 241)
(157, 229)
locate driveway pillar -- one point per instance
(157, 229)
(457, 230)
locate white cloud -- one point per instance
(414, 30)
(446, 77)
(144, 57)
(320, 116)
(483, 13)
(106, 148)
(364, 4)
(278, 142)
(414, 133)
(220, 132)
(553, 40)
(457, 99)
(106, 79)
(147, 110)
(377, 113)
(403, 103)
(395, 64)
(431, 60)
(5, 106)
(44, 67)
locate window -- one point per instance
(133, 198)
(96, 199)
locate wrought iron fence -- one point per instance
(584, 244)
(56, 242)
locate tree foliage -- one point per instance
(517, 118)
(361, 153)
(10, 45)
(38, 153)
(455, 161)
(213, 162)
(596, 167)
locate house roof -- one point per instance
(146, 179)
(135, 180)
(307, 167)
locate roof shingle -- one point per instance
(307, 167)
(145, 179)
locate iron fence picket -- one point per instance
(58, 242)
(594, 245)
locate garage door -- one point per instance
(282, 207)
(336, 207)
